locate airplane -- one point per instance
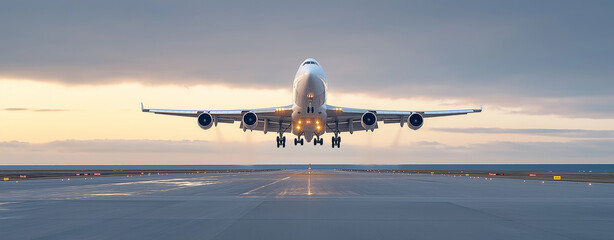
(309, 116)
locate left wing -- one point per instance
(269, 119)
(344, 119)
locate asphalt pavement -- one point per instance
(298, 204)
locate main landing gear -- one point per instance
(336, 141)
(318, 140)
(297, 141)
(281, 141)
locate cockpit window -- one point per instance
(310, 62)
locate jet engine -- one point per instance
(368, 121)
(205, 121)
(415, 121)
(250, 120)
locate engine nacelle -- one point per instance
(415, 121)
(368, 121)
(250, 120)
(205, 121)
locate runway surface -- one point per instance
(293, 204)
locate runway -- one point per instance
(294, 204)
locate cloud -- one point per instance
(83, 152)
(118, 146)
(567, 133)
(37, 110)
(537, 55)
(101, 146)
(50, 110)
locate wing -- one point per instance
(275, 118)
(348, 119)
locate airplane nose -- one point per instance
(313, 79)
(311, 82)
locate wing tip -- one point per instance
(479, 110)
(143, 108)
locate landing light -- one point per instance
(299, 122)
(298, 127)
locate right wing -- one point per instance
(276, 118)
(344, 119)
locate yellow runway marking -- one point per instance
(263, 186)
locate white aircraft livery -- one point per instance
(309, 116)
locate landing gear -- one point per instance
(318, 140)
(281, 141)
(297, 141)
(336, 141)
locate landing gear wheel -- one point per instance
(318, 140)
(295, 141)
(302, 141)
(281, 141)
(336, 141)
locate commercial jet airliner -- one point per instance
(309, 116)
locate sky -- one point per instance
(73, 75)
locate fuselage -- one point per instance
(309, 93)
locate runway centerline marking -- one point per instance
(309, 184)
(263, 186)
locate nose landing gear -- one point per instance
(297, 141)
(318, 140)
